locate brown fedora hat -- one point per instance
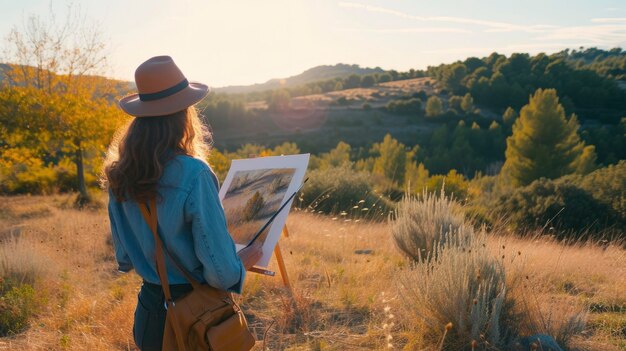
(162, 89)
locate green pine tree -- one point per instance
(467, 104)
(509, 116)
(434, 106)
(545, 143)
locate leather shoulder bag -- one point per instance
(206, 318)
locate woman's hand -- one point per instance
(251, 254)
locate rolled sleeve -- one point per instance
(121, 255)
(214, 247)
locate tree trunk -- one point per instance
(83, 195)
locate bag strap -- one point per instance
(150, 215)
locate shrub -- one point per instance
(20, 269)
(453, 183)
(608, 185)
(401, 106)
(22, 172)
(241, 182)
(344, 101)
(463, 284)
(278, 184)
(16, 308)
(560, 204)
(253, 206)
(422, 224)
(343, 190)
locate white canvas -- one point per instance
(253, 190)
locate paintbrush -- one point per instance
(269, 221)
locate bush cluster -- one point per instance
(423, 223)
(342, 190)
(405, 106)
(573, 206)
(16, 307)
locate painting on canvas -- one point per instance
(253, 190)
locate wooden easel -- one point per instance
(281, 264)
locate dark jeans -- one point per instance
(150, 314)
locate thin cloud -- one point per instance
(507, 49)
(409, 30)
(609, 20)
(492, 25)
(598, 35)
(466, 50)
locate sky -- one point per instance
(236, 42)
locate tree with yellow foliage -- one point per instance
(52, 101)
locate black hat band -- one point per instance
(164, 93)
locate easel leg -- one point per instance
(281, 266)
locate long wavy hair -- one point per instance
(139, 152)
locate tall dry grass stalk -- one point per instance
(422, 223)
(21, 262)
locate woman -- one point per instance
(162, 154)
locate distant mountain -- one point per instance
(311, 75)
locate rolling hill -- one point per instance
(311, 75)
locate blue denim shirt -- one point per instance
(192, 225)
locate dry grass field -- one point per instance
(342, 300)
(376, 96)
